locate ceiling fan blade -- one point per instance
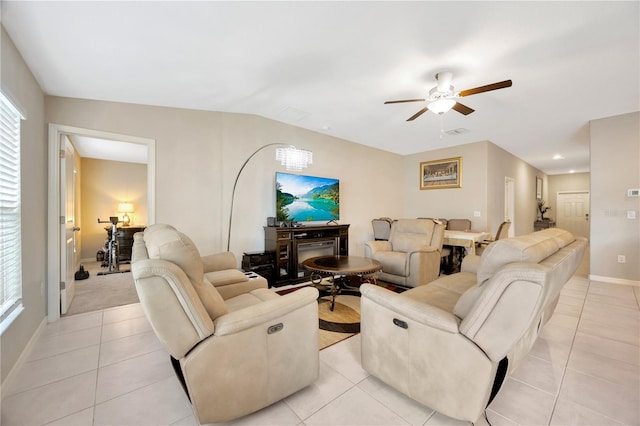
(462, 109)
(487, 88)
(418, 114)
(404, 100)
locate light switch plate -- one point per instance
(476, 213)
(631, 214)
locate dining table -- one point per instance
(464, 239)
(461, 243)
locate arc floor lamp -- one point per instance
(294, 159)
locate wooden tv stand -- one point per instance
(293, 245)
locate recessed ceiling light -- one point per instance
(558, 157)
(572, 171)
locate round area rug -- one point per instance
(343, 318)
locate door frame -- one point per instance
(55, 222)
(510, 203)
(66, 295)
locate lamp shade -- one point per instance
(441, 105)
(293, 158)
(125, 208)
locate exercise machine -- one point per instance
(112, 248)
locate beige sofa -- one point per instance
(411, 256)
(449, 344)
(236, 346)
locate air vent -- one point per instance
(457, 131)
(293, 114)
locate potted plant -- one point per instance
(543, 209)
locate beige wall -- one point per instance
(615, 167)
(503, 164)
(198, 154)
(19, 85)
(484, 168)
(451, 202)
(105, 184)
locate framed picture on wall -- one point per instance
(538, 188)
(441, 174)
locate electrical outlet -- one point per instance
(622, 258)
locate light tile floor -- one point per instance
(108, 368)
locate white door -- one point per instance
(68, 251)
(510, 204)
(573, 212)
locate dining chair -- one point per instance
(503, 232)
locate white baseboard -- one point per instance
(6, 385)
(612, 280)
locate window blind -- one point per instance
(10, 227)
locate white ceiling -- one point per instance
(329, 66)
(89, 147)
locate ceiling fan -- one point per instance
(442, 97)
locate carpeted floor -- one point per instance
(102, 291)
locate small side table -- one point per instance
(539, 225)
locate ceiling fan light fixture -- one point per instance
(442, 97)
(444, 81)
(441, 105)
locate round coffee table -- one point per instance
(334, 266)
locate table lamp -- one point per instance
(125, 208)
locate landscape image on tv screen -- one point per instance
(306, 198)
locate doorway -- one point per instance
(57, 214)
(68, 250)
(510, 203)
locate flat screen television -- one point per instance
(302, 198)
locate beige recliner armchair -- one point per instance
(236, 350)
(449, 344)
(411, 256)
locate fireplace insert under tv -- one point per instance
(302, 198)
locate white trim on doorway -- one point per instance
(510, 203)
(56, 131)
